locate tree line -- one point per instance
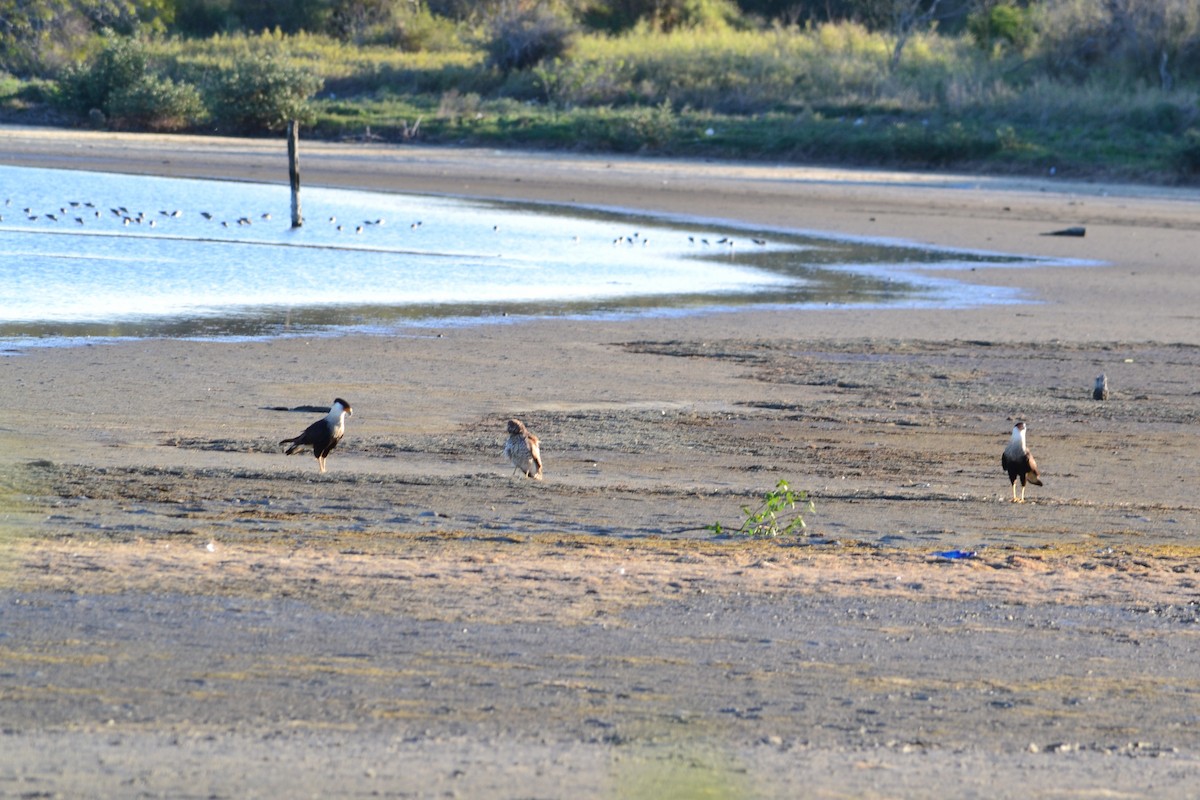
(40, 36)
(1028, 82)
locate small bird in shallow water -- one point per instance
(324, 434)
(1019, 464)
(522, 450)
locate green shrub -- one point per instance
(261, 93)
(630, 129)
(418, 30)
(120, 84)
(121, 63)
(775, 516)
(618, 16)
(155, 103)
(1151, 41)
(360, 21)
(936, 146)
(1187, 155)
(520, 39)
(29, 92)
(1160, 117)
(40, 38)
(411, 27)
(1002, 24)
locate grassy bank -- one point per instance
(822, 95)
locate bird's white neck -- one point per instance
(1018, 438)
(337, 416)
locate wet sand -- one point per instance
(187, 612)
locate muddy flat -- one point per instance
(187, 612)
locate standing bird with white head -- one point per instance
(324, 434)
(522, 449)
(1019, 464)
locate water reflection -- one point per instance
(131, 256)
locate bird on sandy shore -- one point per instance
(1019, 464)
(522, 449)
(324, 434)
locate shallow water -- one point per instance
(94, 254)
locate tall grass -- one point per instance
(722, 70)
(331, 58)
(825, 93)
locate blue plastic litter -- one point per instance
(955, 555)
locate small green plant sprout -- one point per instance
(775, 516)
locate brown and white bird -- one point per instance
(1019, 464)
(324, 434)
(522, 450)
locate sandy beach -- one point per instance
(186, 612)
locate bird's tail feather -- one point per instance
(1035, 480)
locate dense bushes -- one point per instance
(40, 37)
(121, 87)
(261, 93)
(155, 103)
(521, 38)
(1149, 41)
(752, 72)
(1004, 24)
(618, 16)
(200, 18)
(120, 64)
(1187, 155)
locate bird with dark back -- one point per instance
(1019, 463)
(324, 434)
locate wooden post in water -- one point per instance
(294, 171)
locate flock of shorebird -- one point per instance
(81, 211)
(523, 449)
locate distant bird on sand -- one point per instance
(1019, 464)
(324, 434)
(522, 450)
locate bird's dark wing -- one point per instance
(314, 434)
